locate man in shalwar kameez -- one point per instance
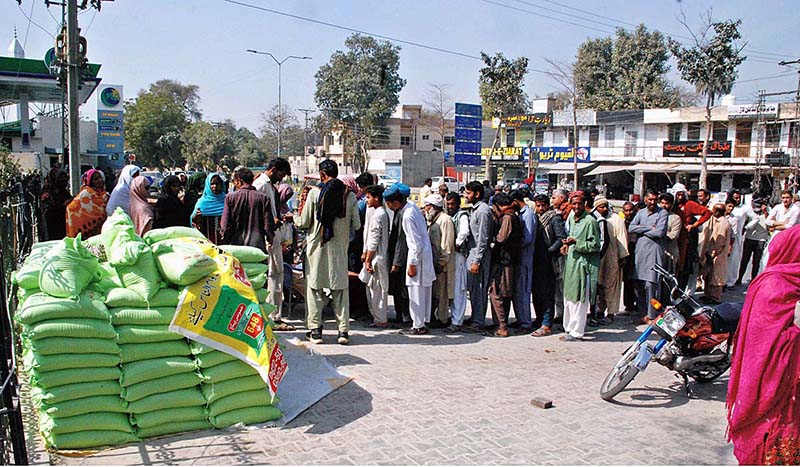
(524, 272)
(479, 260)
(714, 255)
(443, 239)
(375, 273)
(650, 226)
(746, 219)
(610, 277)
(331, 215)
(582, 249)
(419, 263)
(460, 218)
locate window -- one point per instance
(720, 131)
(773, 134)
(449, 140)
(437, 144)
(405, 141)
(538, 137)
(693, 131)
(426, 137)
(594, 136)
(630, 143)
(674, 132)
(794, 135)
(610, 135)
(571, 137)
(511, 136)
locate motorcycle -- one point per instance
(695, 341)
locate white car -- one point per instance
(452, 183)
(386, 181)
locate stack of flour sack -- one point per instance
(104, 369)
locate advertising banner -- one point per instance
(695, 148)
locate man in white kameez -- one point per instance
(458, 307)
(330, 214)
(746, 219)
(267, 183)
(419, 263)
(375, 273)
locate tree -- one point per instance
(249, 148)
(207, 145)
(628, 71)
(710, 65)
(438, 113)
(360, 87)
(154, 124)
(500, 85)
(564, 75)
(184, 94)
(291, 136)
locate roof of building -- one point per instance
(32, 78)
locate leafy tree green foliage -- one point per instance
(710, 66)
(187, 95)
(360, 87)
(154, 124)
(500, 85)
(206, 145)
(291, 135)
(627, 71)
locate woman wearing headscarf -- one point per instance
(208, 209)
(121, 196)
(194, 189)
(169, 207)
(55, 197)
(764, 389)
(87, 211)
(141, 212)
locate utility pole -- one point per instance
(305, 136)
(795, 136)
(488, 165)
(73, 83)
(759, 141)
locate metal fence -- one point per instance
(19, 214)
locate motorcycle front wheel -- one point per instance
(621, 375)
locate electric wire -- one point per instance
(31, 21)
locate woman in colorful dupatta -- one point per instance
(121, 195)
(208, 209)
(141, 212)
(87, 211)
(763, 392)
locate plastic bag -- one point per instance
(182, 264)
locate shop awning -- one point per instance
(605, 169)
(715, 168)
(645, 167)
(563, 167)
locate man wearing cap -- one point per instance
(443, 238)
(396, 257)
(419, 271)
(524, 280)
(460, 218)
(330, 214)
(614, 250)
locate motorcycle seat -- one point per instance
(727, 315)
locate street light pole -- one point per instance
(280, 104)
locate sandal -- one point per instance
(542, 331)
(497, 333)
(284, 327)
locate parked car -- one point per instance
(386, 181)
(156, 178)
(452, 184)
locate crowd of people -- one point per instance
(562, 262)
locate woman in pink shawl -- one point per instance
(763, 392)
(141, 211)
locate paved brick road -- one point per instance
(465, 399)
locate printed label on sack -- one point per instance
(222, 312)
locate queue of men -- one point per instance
(539, 264)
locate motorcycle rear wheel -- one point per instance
(621, 375)
(707, 376)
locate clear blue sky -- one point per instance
(203, 42)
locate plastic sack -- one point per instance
(214, 358)
(110, 421)
(66, 361)
(254, 269)
(175, 427)
(57, 346)
(86, 405)
(226, 371)
(144, 370)
(27, 276)
(68, 270)
(161, 417)
(87, 439)
(144, 316)
(70, 327)
(248, 416)
(216, 391)
(141, 277)
(182, 264)
(68, 392)
(136, 352)
(52, 379)
(159, 386)
(41, 307)
(122, 245)
(168, 400)
(244, 253)
(122, 297)
(141, 334)
(157, 235)
(258, 281)
(241, 400)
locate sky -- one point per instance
(204, 42)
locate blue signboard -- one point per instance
(110, 132)
(468, 123)
(552, 154)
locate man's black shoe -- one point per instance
(315, 336)
(343, 338)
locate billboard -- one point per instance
(110, 122)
